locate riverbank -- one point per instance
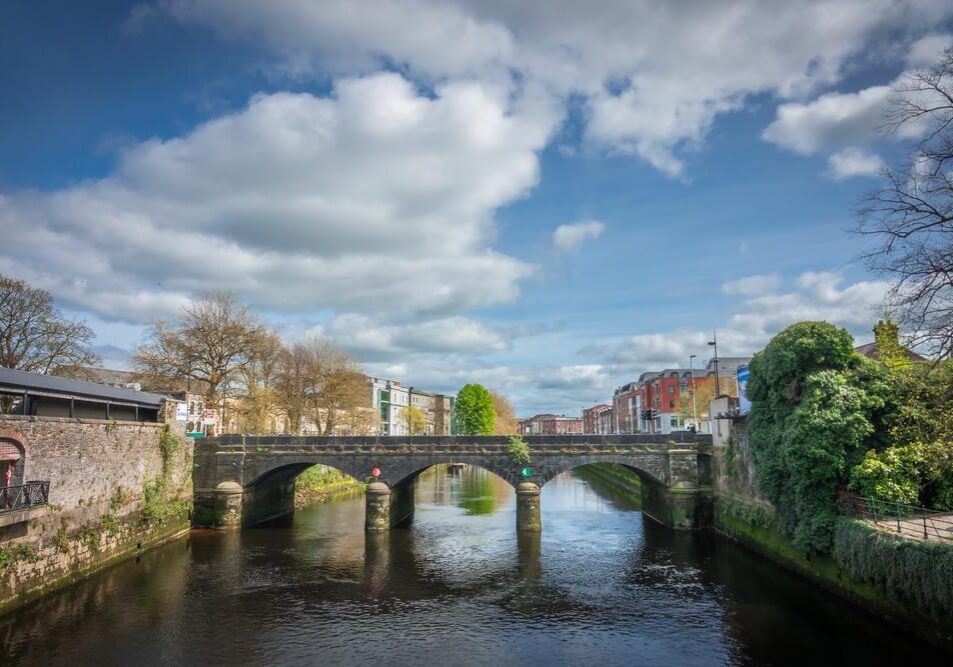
(907, 582)
(318, 483)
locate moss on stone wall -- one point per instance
(862, 569)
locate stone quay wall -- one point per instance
(891, 577)
(116, 488)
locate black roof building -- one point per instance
(52, 396)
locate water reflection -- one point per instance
(461, 586)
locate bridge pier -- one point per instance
(229, 497)
(377, 507)
(528, 515)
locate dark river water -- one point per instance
(601, 585)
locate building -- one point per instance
(594, 418)
(626, 407)
(390, 400)
(437, 409)
(655, 403)
(27, 393)
(550, 424)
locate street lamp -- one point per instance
(714, 342)
(691, 370)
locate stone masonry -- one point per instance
(263, 469)
(98, 472)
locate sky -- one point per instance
(548, 198)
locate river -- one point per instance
(602, 585)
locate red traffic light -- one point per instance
(376, 472)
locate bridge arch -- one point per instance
(645, 473)
(258, 473)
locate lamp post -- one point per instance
(714, 342)
(691, 370)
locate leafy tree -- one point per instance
(816, 407)
(505, 421)
(212, 342)
(35, 336)
(414, 420)
(915, 465)
(473, 411)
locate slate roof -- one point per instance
(16, 382)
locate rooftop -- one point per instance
(18, 382)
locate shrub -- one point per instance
(890, 475)
(518, 451)
(917, 572)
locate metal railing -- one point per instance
(24, 496)
(907, 520)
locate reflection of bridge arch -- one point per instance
(256, 474)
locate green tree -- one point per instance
(817, 406)
(915, 465)
(473, 411)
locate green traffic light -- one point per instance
(526, 472)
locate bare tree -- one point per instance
(414, 420)
(256, 387)
(506, 422)
(320, 382)
(213, 340)
(35, 336)
(911, 216)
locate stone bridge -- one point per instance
(244, 480)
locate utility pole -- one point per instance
(691, 369)
(714, 342)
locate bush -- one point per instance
(518, 451)
(917, 572)
(890, 475)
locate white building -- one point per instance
(390, 400)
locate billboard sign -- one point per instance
(744, 403)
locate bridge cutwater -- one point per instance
(244, 480)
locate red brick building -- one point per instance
(549, 424)
(591, 417)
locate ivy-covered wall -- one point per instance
(906, 581)
(115, 488)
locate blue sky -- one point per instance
(394, 178)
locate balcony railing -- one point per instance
(24, 496)
(907, 520)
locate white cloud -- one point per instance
(375, 198)
(832, 120)
(853, 161)
(569, 237)
(369, 338)
(752, 285)
(845, 122)
(926, 50)
(817, 296)
(653, 76)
